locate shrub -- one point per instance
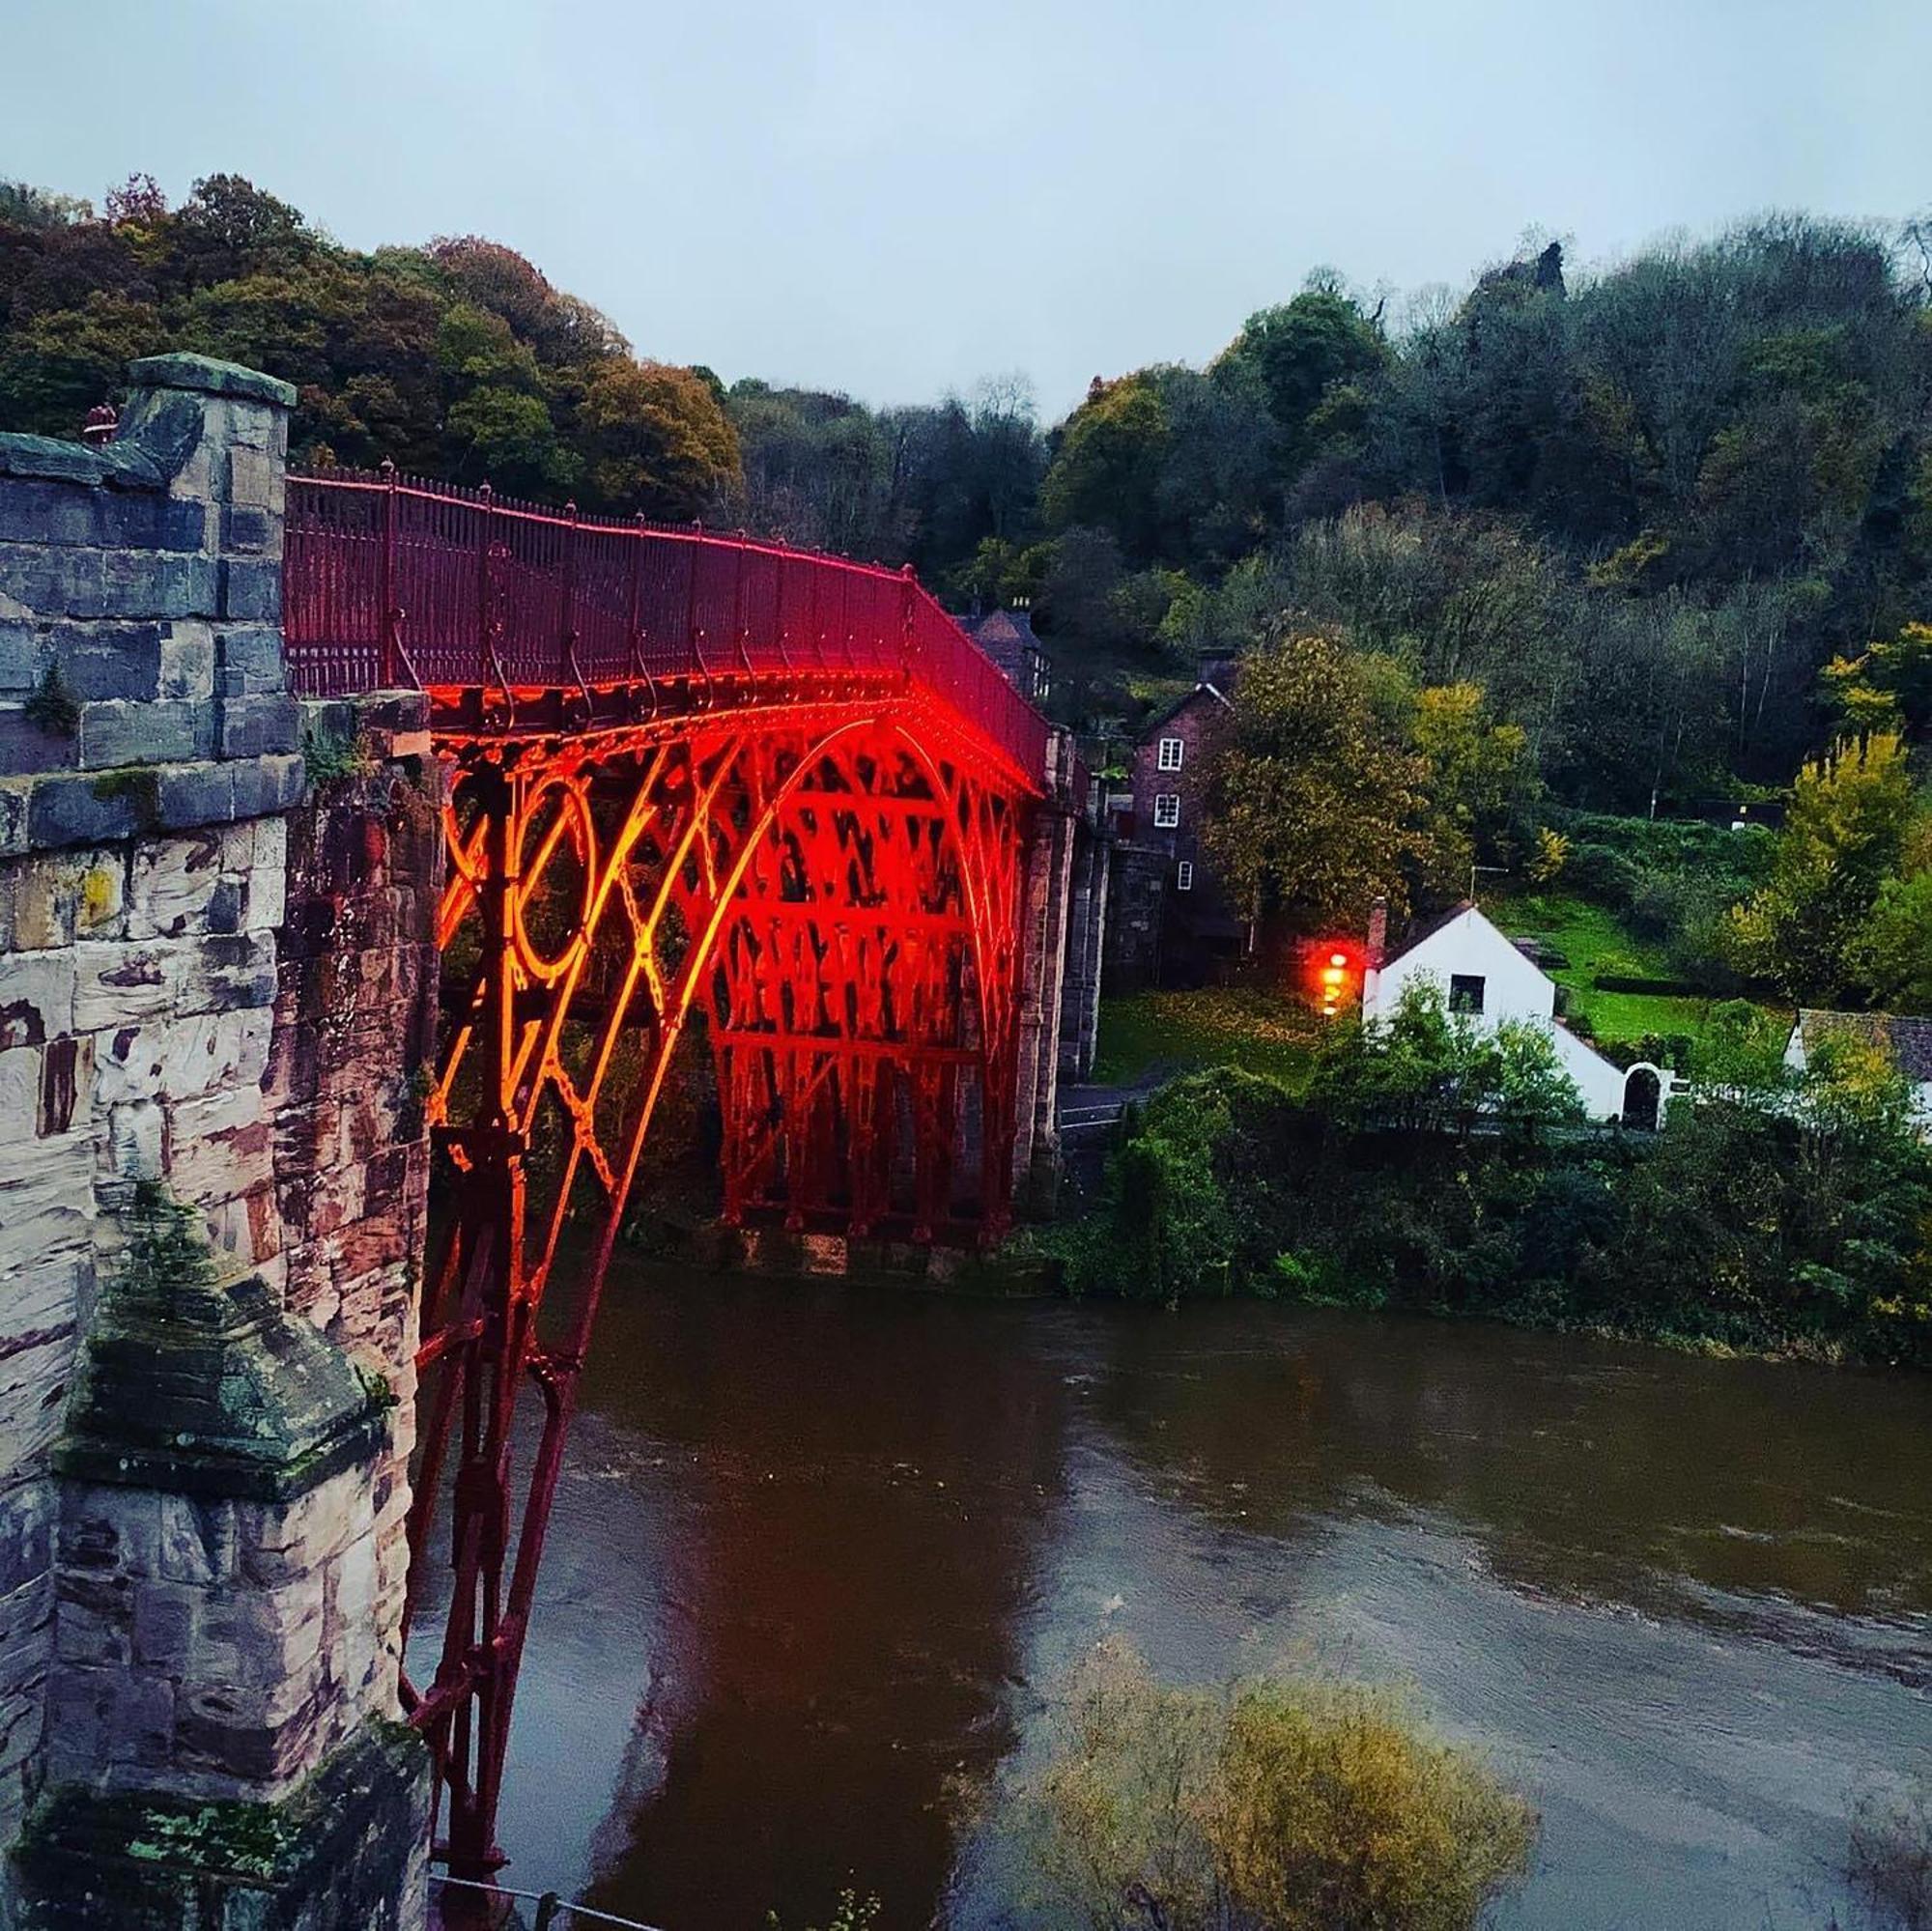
(1277, 1805)
(1889, 1860)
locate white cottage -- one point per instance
(1483, 975)
(1906, 1041)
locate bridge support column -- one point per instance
(1086, 942)
(198, 1635)
(1043, 935)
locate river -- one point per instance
(820, 1550)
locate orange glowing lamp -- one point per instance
(1336, 973)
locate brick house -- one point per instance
(1171, 923)
(1008, 638)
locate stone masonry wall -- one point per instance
(353, 1049)
(150, 776)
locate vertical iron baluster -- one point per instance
(483, 495)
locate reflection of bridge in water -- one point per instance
(692, 777)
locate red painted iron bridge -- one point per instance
(711, 801)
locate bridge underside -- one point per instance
(827, 884)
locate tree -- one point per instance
(1893, 954)
(1425, 1069)
(1842, 839)
(1479, 785)
(1316, 806)
(1106, 473)
(656, 438)
(1274, 1805)
(1301, 353)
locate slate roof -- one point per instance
(1905, 1041)
(1175, 709)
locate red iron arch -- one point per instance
(837, 892)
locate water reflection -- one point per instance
(819, 1547)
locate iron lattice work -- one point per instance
(831, 896)
(701, 784)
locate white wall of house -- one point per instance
(1469, 959)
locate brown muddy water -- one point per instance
(820, 1550)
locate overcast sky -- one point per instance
(897, 199)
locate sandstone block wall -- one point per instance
(178, 1017)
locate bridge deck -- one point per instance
(517, 618)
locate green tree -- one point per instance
(1842, 839)
(1106, 473)
(1479, 786)
(1893, 954)
(1302, 355)
(1426, 1069)
(1317, 804)
(656, 439)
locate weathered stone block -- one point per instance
(162, 731)
(121, 985)
(245, 531)
(14, 800)
(251, 591)
(59, 896)
(197, 1540)
(26, 1535)
(259, 727)
(110, 1530)
(267, 785)
(162, 1629)
(149, 584)
(37, 997)
(25, 748)
(187, 659)
(345, 1852)
(220, 974)
(103, 660)
(93, 1618)
(173, 883)
(194, 794)
(22, 658)
(214, 1051)
(248, 662)
(90, 807)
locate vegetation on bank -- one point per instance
(1433, 1167)
(1275, 1804)
(1260, 1032)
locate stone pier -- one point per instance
(216, 992)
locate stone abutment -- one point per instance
(215, 990)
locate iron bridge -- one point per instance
(696, 784)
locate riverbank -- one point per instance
(1747, 1228)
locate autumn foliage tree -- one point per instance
(460, 359)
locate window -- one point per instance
(1171, 750)
(1183, 875)
(1167, 810)
(1465, 992)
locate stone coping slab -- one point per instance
(209, 377)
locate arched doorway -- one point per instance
(1643, 1098)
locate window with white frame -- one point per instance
(1171, 750)
(1166, 811)
(1183, 875)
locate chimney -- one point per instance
(1379, 934)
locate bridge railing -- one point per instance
(390, 581)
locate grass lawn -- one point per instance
(1259, 1031)
(1594, 940)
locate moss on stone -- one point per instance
(52, 709)
(137, 785)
